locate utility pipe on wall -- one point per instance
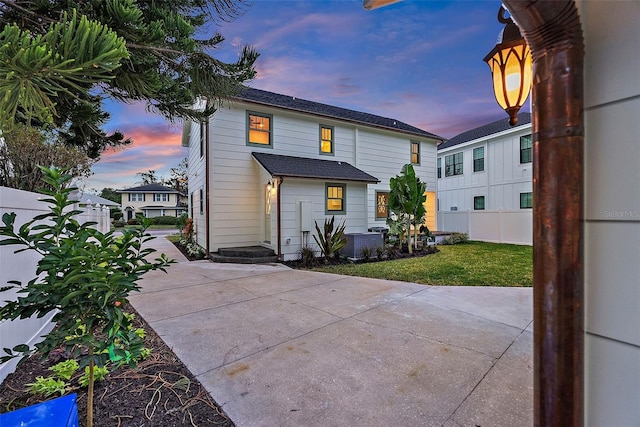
(554, 34)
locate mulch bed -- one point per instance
(160, 391)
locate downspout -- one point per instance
(279, 218)
(554, 34)
(206, 179)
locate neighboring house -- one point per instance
(152, 200)
(265, 168)
(485, 182)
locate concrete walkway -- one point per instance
(282, 347)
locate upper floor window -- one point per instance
(439, 167)
(161, 197)
(453, 164)
(415, 152)
(382, 204)
(525, 149)
(326, 140)
(478, 203)
(336, 200)
(478, 159)
(259, 129)
(203, 134)
(136, 197)
(526, 200)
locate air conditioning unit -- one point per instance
(357, 241)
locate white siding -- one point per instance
(236, 184)
(196, 174)
(502, 180)
(612, 212)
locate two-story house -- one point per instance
(152, 200)
(487, 171)
(265, 168)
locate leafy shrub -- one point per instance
(366, 253)
(307, 256)
(165, 220)
(195, 250)
(181, 222)
(47, 386)
(119, 224)
(455, 238)
(380, 252)
(85, 276)
(330, 241)
(65, 370)
(134, 221)
(115, 213)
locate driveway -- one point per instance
(282, 347)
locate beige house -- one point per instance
(152, 200)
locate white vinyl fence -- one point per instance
(22, 266)
(499, 226)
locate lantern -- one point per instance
(510, 64)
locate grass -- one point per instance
(468, 264)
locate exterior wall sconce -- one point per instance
(270, 185)
(510, 64)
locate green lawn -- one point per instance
(469, 264)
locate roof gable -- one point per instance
(486, 130)
(302, 167)
(149, 188)
(258, 96)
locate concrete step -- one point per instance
(244, 255)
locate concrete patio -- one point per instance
(281, 347)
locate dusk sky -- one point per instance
(415, 61)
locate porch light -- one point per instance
(269, 186)
(510, 64)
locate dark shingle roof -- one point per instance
(301, 167)
(149, 188)
(485, 130)
(263, 97)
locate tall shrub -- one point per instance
(86, 276)
(406, 200)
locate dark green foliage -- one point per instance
(307, 257)
(127, 50)
(134, 221)
(181, 222)
(330, 240)
(164, 220)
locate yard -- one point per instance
(468, 264)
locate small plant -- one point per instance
(366, 254)
(195, 250)
(65, 370)
(99, 373)
(380, 252)
(330, 240)
(134, 221)
(455, 238)
(47, 386)
(307, 257)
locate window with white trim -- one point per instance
(161, 197)
(453, 164)
(136, 197)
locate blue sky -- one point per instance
(415, 61)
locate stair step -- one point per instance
(244, 255)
